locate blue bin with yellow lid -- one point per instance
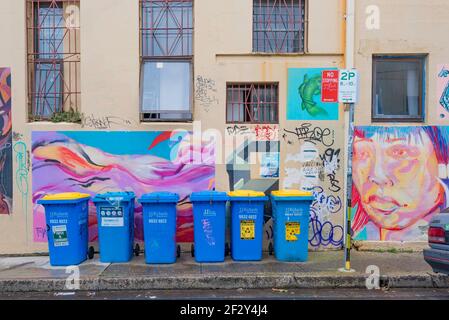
(67, 216)
(291, 216)
(247, 213)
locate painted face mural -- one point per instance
(397, 185)
(142, 162)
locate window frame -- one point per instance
(67, 57)
(188, 112)
(256, 83)
(302, 49)
(422, 60)
(172, 58)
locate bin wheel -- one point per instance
(178, 251)
(192, 250)
(91, 253)
(270, 249)
(227, 250)
(137, 250)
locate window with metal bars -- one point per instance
(166, 33)
(278, 26)
(53, 57)
(252, 103)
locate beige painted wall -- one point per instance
(406, 27)
(110, 76)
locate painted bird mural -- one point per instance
(310, 88)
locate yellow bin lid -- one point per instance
(246, 193)
(291, 193)
(66, 196)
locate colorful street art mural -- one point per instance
(304, 96)
(400, 180)
(142, 162)
(6, 175)
(443, 91)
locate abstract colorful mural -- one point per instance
(443, 91)
(142, 162)
(304, 96)
(5, 142)
(400, 180)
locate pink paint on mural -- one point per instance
(443, 92)
(98, 162)
(5, 142)
(400, 180)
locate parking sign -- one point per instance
(348, 86)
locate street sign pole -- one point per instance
(348, 94)
(348, 242)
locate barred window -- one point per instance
(278, 26)
(166, 32)
(252, 103)
(53, 42)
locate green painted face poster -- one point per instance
(304, 96)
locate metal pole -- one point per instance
(349, 121)
(348, 233)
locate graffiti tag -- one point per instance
(105, 122)
(306, 132)
(205, 90)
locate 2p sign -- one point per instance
(348, 86)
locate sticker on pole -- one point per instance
(60, 236)
(247, 230)
(348, 86)
(292, 230)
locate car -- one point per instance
(437, 256)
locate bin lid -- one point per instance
(115, 196)
(209, 196)
(67, 196)
(246, 193)
(292, 195)
(159, 197)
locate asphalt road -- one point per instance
(273, 294)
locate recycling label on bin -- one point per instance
(60, 236)
(292, 229)
(112, 217)
(247, 229)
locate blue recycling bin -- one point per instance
(159, 227)
(247, 213)
(115, 215)
(291, 216)
(66, 216)
(209, 226)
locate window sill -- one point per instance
(263, 54)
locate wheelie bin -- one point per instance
(115, 213)
(209, 219)
(247, 213)
(159, 227)
(67, 216)
(291, 215)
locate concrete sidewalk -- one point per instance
(398, 270)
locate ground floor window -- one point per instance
(398, 88)
(166, 91)
(252, 103)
